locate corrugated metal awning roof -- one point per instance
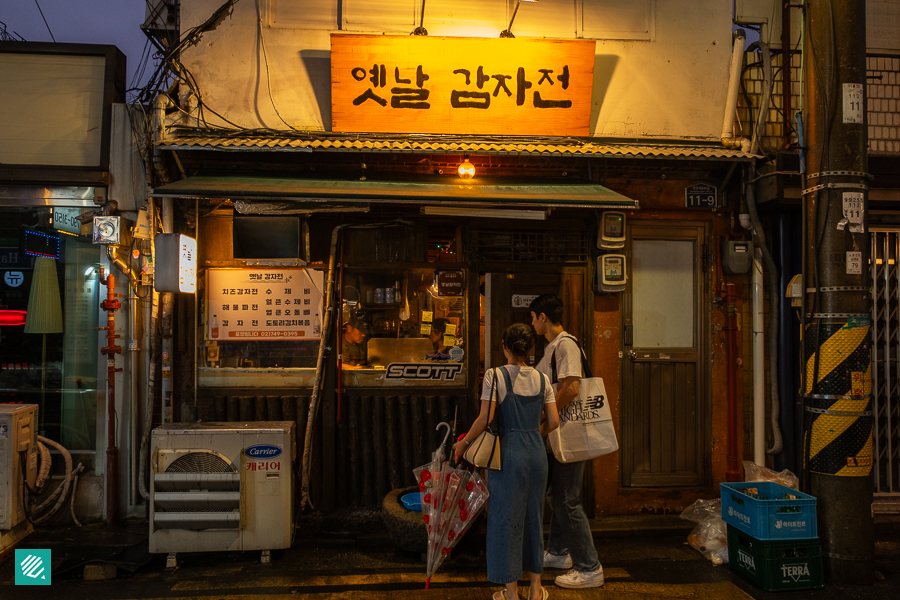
(325, 191)
(193, 139)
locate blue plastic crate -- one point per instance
(769, 516)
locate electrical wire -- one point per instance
(262, 41)
(45, 20)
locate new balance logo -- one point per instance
(594, 402)
(32, 567)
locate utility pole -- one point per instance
(837, 380)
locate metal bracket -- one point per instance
(857, 186)
(845, 288)
(868, 176)
(841, 315)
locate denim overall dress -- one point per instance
(515, 538)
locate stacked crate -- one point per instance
(772, 535)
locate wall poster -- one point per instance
(257, 304)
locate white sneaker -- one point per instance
(581, 579)
(552, 561)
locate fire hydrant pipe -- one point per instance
(111, 305)
(731, 350)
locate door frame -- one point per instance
(664, 230)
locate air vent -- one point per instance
(201, 462)
(528, 246)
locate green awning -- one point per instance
(326, 191)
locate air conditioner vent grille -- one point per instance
(201, 462)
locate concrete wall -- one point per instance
(663, 76)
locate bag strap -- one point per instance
(585, 367)
(492, 412)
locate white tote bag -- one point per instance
(585, 426)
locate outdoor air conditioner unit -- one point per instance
(18, 443)
(221, 486)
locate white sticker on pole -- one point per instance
(853, 102)
(854, 263)
(853, 207)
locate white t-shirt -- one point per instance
(568, 359)
(525, 381)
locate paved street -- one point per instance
(635, 567)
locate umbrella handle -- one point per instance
(446, 435)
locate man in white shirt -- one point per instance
(571, 543)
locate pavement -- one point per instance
(350, 556)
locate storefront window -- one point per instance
(407, 316)
(262, 318)
(48, 312)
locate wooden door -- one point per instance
(664, 412)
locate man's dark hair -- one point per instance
(440, 324)
(550, 305)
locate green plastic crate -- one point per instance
(776, 565)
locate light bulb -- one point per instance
(466, 169)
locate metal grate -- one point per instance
(201, 462)
(528, 246)
(885, 269)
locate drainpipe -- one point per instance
(320, 369)
(111, 305)
(734, 80)
(759, 368)
(732, 472)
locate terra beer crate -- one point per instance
(776, 566)
(768, 515)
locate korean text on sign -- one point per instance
(461, 85)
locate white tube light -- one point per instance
(489, 213)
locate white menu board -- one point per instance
(256, 304)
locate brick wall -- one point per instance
(882, 102)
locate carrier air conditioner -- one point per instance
(18, 448)
(221, 486)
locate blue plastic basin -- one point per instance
(412, 501)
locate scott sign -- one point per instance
(421, 371)
(263, 451)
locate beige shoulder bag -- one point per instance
(484, 451)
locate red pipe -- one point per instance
(732, 472)
(111, 305)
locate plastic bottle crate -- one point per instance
(776, 566)
(769, 516)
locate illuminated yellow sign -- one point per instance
(419, 84)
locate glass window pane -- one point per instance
(663, 293)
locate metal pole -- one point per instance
(837, 345)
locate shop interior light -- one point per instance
(466, 169)
(508, 33)
(491, 213)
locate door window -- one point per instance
(664, 302)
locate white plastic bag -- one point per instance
(710, 536)
(754, 472)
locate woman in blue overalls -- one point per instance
(515, 537)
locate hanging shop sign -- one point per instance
(450, 283)
(248, 304)
(419, 84)
(65, 219)
(701, 195)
